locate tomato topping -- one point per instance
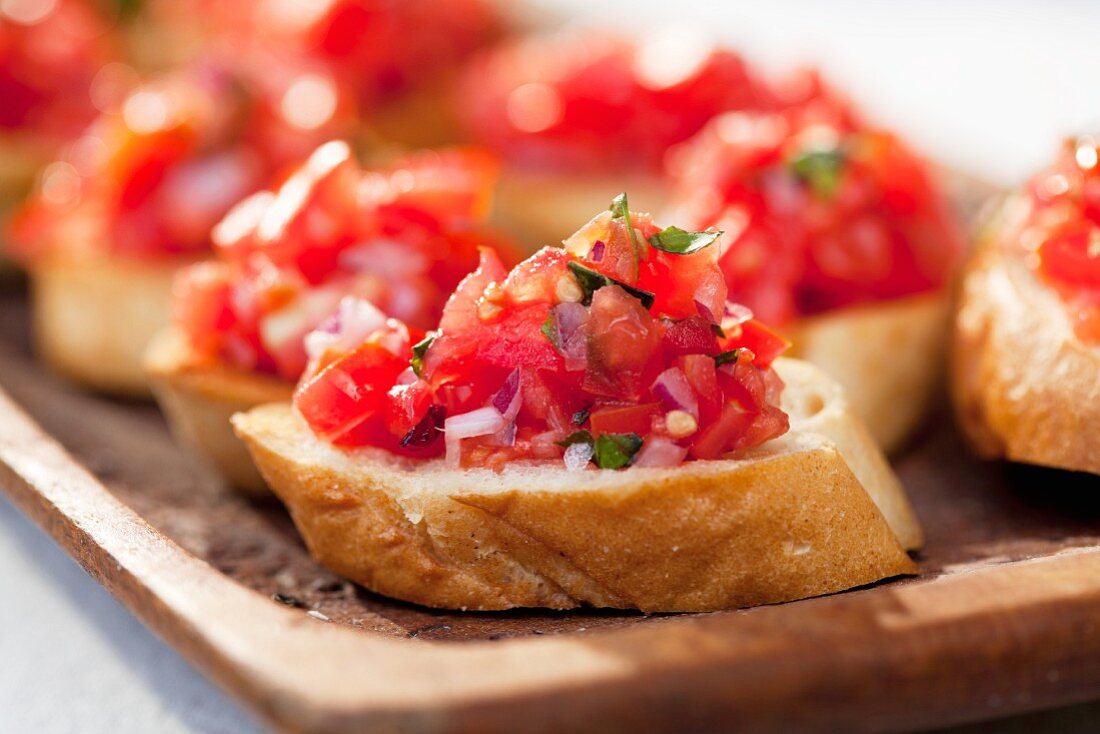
(400, 238)
(820, 211)
(1062, 223)
(570, 357)
(152, 177)
(588, 100)
(348, 391)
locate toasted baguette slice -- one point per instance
(790, 520)
(198, 397)
(533, 205)
(1024, 387)
(886, 356)
(94, 316)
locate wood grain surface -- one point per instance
(1004, 618)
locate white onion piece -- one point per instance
(674, 391)
(577, 456)
(480, 422)
(355, 319)
(659, 452)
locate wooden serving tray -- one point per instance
(1004, 618)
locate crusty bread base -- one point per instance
(787, 522)
(199, 396)
(886, 356)
(1024, 387)
(825, 410)
(94, 316)
(542, 208)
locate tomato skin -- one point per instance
(624, 419)
(693, 335)
(764, 343)
(348, 391)
(1072, 255)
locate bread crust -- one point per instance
(94, 316)
(1023, 386)
(787, 522)
(887, 356)
(198, 397)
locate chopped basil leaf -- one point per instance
(620, 209)
(550, 329)
(591, 281)
(718, 331)
(820, 169)
(580, 417)
(615, 450)
(726, 357)
(419, 349)
(681, 242)
(575, 437)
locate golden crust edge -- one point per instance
(528, 546)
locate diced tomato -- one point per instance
(693, 335)
(348, 391)
(622, 339)
(765, 343)
(1073, 255)
(702, 375)
(625, 419)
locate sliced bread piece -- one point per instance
(198, 397)
(790, 520)
(887, 356)
(94, 316)
(1025, 388)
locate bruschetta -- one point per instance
(840, 235)
(579, 115)
(1026, 332)
(579, 431)
(398, 239)
(134, 199)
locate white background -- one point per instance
(988, 86)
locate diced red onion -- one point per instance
(737, 312)
(658, 452)
(507, 401)
(674, 391)
(481, 422)
(705, 311)
(577, 456)
(508, 393)
(572, 340)
(596, 253)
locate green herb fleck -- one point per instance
(820, 169)
(726, 357)
(591, 281)
(718, 331)
(576, 437)
(615, 450)
(620, 209)
(550, 329)
(419, 350)
(681, 242)
(580, 417)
